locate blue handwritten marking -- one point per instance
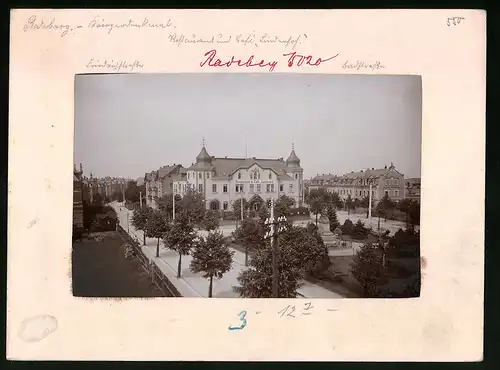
(243, 320)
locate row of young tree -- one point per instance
(300, 248)
(321, 199)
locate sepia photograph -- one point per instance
(242, 185)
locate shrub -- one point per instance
(347, 227)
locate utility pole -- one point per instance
(370, 206)
(173, 206)
(140, 198)
(128, 222)
(276, 227)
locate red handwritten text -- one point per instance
(213, 62)
(298, 60)
(294, 60)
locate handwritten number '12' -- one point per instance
(243, 320)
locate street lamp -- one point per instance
(276, 226)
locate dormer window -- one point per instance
(270, 175)
(239, 175)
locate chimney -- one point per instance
(373, 168)
(385, 167)
(225, 157)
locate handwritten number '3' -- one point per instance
(243, 320)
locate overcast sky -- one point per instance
(126, 125)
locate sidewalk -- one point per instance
(194, 285)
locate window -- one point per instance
(258, 188)
(208, 175)
(214, 188)
(200, 188)
(214, 205)
(387, 192)
(290, 190)
(239, 188)
(239, 175)
(270, 175)
(189, 174)
(224, 188)
(396, 193)
(268, 188)
(224, 206)
(281, 187)
(251, 188)
(199, 175)
(296, 176)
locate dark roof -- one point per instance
(293, 160)
(225, 167)
(413, 181)
(364, 174)
(161, 172)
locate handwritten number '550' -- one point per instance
(243, 320)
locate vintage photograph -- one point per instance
(242, 185)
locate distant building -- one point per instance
(105, 186)
(225, 180)
(386, 180)
(160, 182)
(78, 198)
(412, 188)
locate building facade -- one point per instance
(78, 191)
(386, 180)
(160, 182)
(412, 188)
(105, 186)
(222, 181)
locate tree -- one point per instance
(250, 234)
(132, 194)
(211, 257)
(237, 208)
(365, 203)
(283, 206)
(347, 227)
(316, 206)
(263, 213)
(210, 222)
(140, 218)
(156, 227)
(257, 281)
(359, 231)
(335, 200)
(404, 206)
(180, 238)
(193, 206)
(367, 268)
(98, 198)
(384, 206)
(414, 213)
(332, 216)
(307, 248)
(166, 204)
(349, 203)
(300, 251)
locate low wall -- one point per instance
(160, 280)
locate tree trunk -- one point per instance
(158, 248)
(179, 266)
(210, 287)
(379, 222)
(246, 256)
(144, 237)
(316, 219)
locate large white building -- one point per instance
(225, 180)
